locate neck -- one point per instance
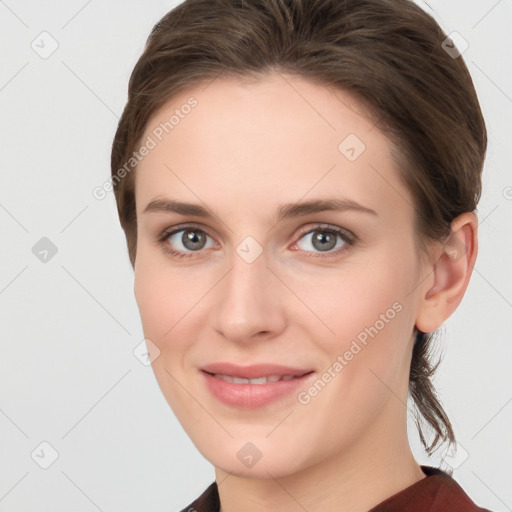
(378, 466)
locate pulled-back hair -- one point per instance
(389, 54)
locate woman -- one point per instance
(297, 182)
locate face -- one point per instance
(281, 297)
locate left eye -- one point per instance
(323, 240)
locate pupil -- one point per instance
(193, 240)
(326, 240)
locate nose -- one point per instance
(250, 302)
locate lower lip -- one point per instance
(252, 396)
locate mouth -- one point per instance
(257, 381)
(255, 386)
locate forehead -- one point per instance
(279, 135)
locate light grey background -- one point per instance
(69, 325)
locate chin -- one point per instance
(255, 456)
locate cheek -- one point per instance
(366, 359)
(165, 303)
(164, 298)
(364, 314)
(347, 300)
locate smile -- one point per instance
(260, 380)
(255, 386)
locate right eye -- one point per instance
(184, 241)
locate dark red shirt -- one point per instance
(438, 492)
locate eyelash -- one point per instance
(348, 238)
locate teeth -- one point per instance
(259, 380)
(237, 380)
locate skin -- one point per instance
(243, 151)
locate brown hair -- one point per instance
(388, 53)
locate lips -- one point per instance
(258, 380)
(257, 371)
(252, 386)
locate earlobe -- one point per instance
(452, 270)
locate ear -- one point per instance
(454, 262)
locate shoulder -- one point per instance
(449, 494)
(207, 502)
(437, 492)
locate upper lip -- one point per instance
(253, 371)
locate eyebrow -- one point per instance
(285, 211)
